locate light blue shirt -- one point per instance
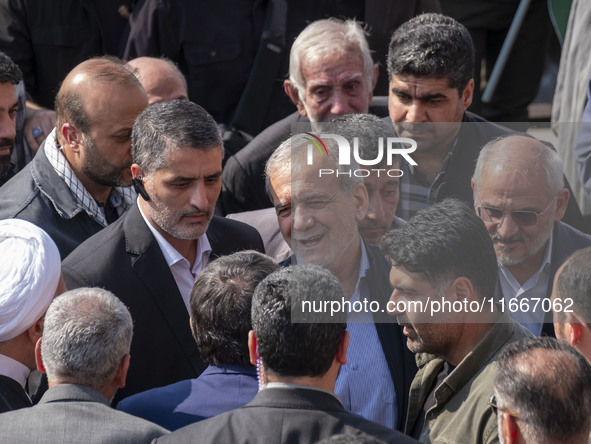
(364, 384)
(535, 288)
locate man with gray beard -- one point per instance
(519, 194)
(151, 258)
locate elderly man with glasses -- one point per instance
(519, 194)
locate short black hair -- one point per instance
(220, 306)
(548, 383)
(432, 45)
(444, 242)
(306, 347)
(9, 71)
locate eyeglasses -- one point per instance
(523, 218)
(493, 405)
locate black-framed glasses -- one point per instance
(523, 218)
(495, 408)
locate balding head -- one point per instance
(524, 157)
(543, 392)
(96, 107)
(161, 78)
(101, 74)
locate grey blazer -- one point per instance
(69, 413)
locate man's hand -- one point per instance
(39, 122)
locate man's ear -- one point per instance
(376, 74)
(509, 428)
(252, 348)
(72, 136)
(35, 331)
(38, 359)
(294, 95)
(360, 201)
(468, 94)
(341, 356)
(121, 373)
(561, 204)
(136, 171)
(463, 288)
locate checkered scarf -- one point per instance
(121, 198)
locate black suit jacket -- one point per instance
(401, 361)
(12, 395)
(284, 416)
(126, 259)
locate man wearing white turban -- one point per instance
(30, 277)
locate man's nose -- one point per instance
(340, 104)
(7, 127)
(415, 112)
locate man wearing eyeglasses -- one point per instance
(519, 194)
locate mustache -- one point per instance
(6, 142)
(197, 212)
(516, 238)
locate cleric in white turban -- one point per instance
(30, 277)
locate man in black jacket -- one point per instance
(150, 257)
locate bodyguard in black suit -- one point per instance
(150, 259)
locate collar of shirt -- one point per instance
(183, 275)
(14, 370)
(416, 193)
(121, 198)
(287, 385)
(535, 287)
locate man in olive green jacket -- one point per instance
(444, 274)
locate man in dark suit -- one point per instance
(520, 195)
(298, 354)
(151, 258)
(85, 353)
(318, 215)
(220, 321)
(30, 277)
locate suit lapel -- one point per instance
(152, 270)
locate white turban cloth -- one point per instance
(30, 270)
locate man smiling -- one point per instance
(151, 258)
(519, 193)
(318, 217)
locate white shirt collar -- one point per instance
(14, 370)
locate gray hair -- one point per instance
(432, 45)
(574, 281)
(168, 126)
(367, 128)
(325, 38)
(280, 162)
(86, 334)
(548, 384)
(546, 159)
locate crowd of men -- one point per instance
(401, 272)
